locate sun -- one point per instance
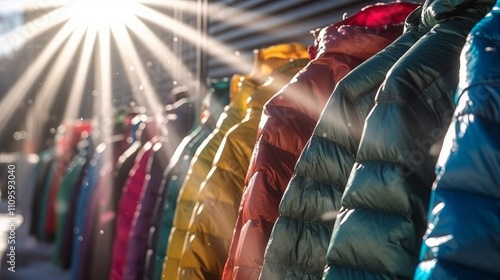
(93, 37)
(99, 14)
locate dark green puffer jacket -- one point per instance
(299, 240)
(380, 225)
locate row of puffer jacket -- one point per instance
(87, 184)
(322, 166)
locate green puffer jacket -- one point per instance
(299, 240)
(383, 212)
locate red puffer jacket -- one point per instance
(289, 119)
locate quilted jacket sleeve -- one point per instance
(378, 230)
(298, 242)
(463, 236)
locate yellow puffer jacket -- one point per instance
(199, 167)
(265, 62)
(212, 224)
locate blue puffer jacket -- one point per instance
(379, 228)
(463, 236)
(85, 193)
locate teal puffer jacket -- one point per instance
(462, 240)
(299, 240)
(379, 228)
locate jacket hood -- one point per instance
(358, 35)
(268, 60)
(233, 87)
(215, 101)
(242, 87)
(436, 11)
(275, 82)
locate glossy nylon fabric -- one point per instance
(126, 209)
(165, 208)
(92, 233)
(100, 224)
(215, 214)
(379, 227)
(463, 235)
(137, 238)
(100, 258)
(265, 61)
(47, 157)
(177, 123)
(70, 186)
(67, 138)
(41, 233)
(299, 239)
(199, 167)
(100, 261)
(67, 232)
(174, 175)
(89, 183)
(289, 119)
(68, 182)
(66, 148)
